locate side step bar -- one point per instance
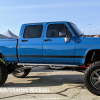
(30, 65)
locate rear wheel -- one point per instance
(3, 73)
(92, 78)
(21, 73)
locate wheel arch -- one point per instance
(91, 56)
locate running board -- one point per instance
(30, 65)
(33, 64)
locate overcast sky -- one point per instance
(14, 13)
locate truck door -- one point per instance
(32, 43)
(55, 49)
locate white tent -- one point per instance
(9, 34)
(4, 37)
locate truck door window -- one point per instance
(33, 31)
(54, 29)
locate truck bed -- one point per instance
(8, 49)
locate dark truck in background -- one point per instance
(51, 44)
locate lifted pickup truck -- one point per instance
(51, 44)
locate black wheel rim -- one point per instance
(95, 79)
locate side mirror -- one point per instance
(62, 34)
(67, 39)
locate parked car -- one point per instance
(59, 44)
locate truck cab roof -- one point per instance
(47, 22)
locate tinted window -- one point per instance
(54, 29)
(33, 31)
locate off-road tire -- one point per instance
(25, 73)
(3, 73)
(87, 78)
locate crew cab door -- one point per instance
(31, 43)
(55, 49)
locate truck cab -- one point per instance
(42, 43)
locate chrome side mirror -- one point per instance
(62, 34)
(67, 39)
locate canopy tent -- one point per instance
(9, 34)
(4, 37)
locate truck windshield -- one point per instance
(75, 29)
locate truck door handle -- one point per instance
(47, 40)
(24, 40)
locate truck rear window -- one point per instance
(33, 31)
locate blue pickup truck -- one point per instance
(51, 44)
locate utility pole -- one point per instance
(83, 32)
(90, 27)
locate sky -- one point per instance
(14, 13)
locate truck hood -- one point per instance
(88, 42)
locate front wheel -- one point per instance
(92, 78)
(21, 73)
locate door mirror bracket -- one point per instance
(67, 39)
(63, 34)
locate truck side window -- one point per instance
(54, 29)
(33, 31)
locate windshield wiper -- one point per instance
(82, 35)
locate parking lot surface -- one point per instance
(44, 83)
